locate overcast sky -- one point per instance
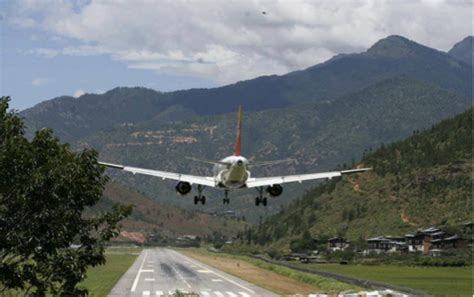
(61, 47)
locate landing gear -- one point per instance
(226, 200)
(260, 198)
(199, 197)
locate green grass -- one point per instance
(325, 284)
(433, 280)
(101, 279)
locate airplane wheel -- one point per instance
(257, 201)
(264, 202)
(203, 200)
(196, 199)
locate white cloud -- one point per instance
(233, 40)
(78, 93)
(41, 81)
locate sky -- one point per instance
(50, 48)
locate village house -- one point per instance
(389, 244)
(338, 244)
(414, 241)
(446, 244)
(430, 241)
(431, 234)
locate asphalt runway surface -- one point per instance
(161, 272)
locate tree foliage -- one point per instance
(47, 243)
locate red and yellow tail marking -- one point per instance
(239, 129)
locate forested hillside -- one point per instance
(319, 136)
(150, 216)
(422, 181)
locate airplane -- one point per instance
(233, 173)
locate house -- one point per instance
(448, 243)
(420, 241)
(378, 244)
(338, 244)
(388, 244)
(414, 241)
(399, 243)
(431, 234)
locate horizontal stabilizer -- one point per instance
(265, 163)
(208, 161)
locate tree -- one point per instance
(47, 242)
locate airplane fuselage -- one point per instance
(234, 175)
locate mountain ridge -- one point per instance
(463, 50)
(75, 118)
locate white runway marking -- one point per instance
(204, 271)
(146, 293)
(219, 294)
(135, 282)
(216, 280)
(149, 279)
(231, 294)
(205, 294)
(159, 293)
(244, 294)
(148, 270)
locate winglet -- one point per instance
(239, 129)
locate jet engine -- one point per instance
(183, 188)
(275, 190)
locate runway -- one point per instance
(161, 272)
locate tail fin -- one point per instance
(239, 129)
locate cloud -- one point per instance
(232, 40)
(41, 81)
(78, 93)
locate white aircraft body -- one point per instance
(233, 173)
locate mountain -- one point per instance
(463, 50)
(318, 135)
(422, 181)
(150, 216)
(74, 118)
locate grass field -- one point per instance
(101, 279)
(276, 278)
(434, 280)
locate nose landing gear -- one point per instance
(260, 199)
(199, 197)
(226, 200)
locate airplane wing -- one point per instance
(269, 181)
(192, 179)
